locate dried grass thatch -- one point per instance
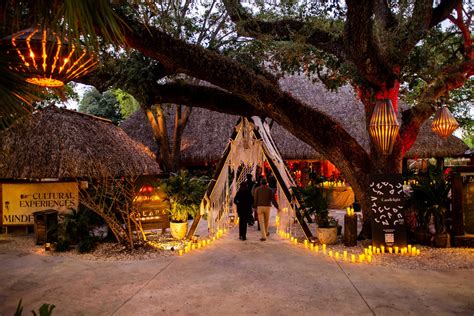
(208, 132)
(59, 143)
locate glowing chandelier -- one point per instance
(384, 126)
(444, 122)
(46, 60)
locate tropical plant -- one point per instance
(430, 199)
(44, 310)
(184, 193)
(314, 203)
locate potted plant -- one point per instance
(184, 193)
(315, 204)
(431, 201)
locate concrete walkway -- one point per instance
(230, 277)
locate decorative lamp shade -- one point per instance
(444, 122)
(384, 126)
(46, 59)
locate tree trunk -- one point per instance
(160, 133)
(180, 122)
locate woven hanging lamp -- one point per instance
(46, 59)
(384, 126)
(444, 122)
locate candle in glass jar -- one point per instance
(366, 251)
(316, 248)
(389, 249)
(418, 252)
(413, 251)
(396, 249)
(360, 258)
(337, 255)
(311, 247)
(369, 259)
(409, 248)
(180, 252)
(370, 248)
(353, 258)
(330, 253)
(344, 255)
(382, 248)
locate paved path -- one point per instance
(230, 277)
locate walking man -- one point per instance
(263, 200)
(244, 200)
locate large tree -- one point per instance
(377, 46)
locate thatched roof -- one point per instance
(59, 143)
(208, 132)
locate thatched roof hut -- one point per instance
(60, 143)
(208, 132)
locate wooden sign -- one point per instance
(386, 199)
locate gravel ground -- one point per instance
(430, 258)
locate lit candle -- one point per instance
(186, 249)
(370, 252)
(353, 258)
(382, 248)
(337, 255)
(370, 248)
(413, 251)
(306, 243)
(369, 259)
(378, 251)
(316, 248)
(418, 252)
(324, 248)
(349, 211)
(180, 252)
(409, 248)
(344, 255)
(330, 253)
(199, 245)
(311, 246)
(366, 251)
(360, 258)
(396, 249)
(390, 249)
(363, 257)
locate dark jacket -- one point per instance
(244, 200)
(264, 196)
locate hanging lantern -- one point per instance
(46, 59)
(444, 122)
(384, 126)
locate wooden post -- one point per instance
(350, 230)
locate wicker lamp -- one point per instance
(47, 60)
(384, 126)
(444, 122)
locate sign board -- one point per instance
(21, 200)
(386, 198)
(468, 202)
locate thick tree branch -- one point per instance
(283, 30)
(442, 11)
(450, 78)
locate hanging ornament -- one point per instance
(444, 122)
(384, 126)
(46, 59)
